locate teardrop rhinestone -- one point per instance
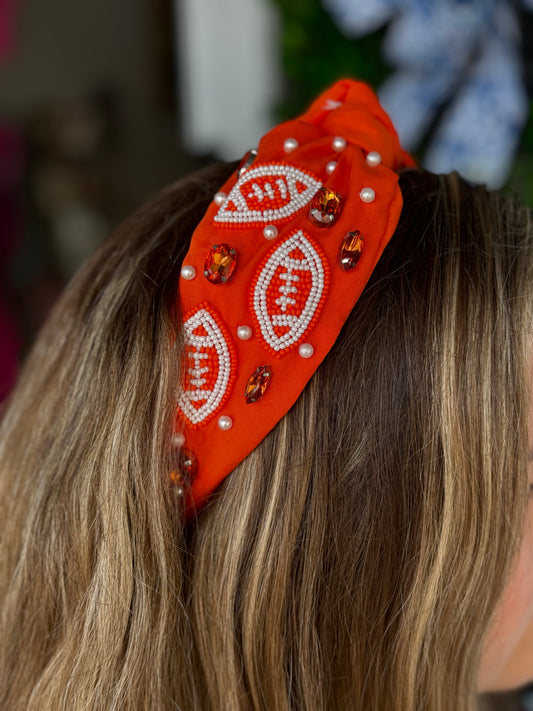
(351, 249)
(247, 161)
(220, 264)
(178, 483)
(258, 384)
(325, 207)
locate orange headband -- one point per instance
(274, 269)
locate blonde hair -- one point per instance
(353, 560)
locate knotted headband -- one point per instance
(273, 270)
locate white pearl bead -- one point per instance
(244, 332)
(338, 143)
(373, 159)
(178, 440)
(188, 272)
(367, 195)
(219, 198)
(225, 423)
(306, 350)
(330, 167)
(290, 145)
(179, 491)
(270, 232)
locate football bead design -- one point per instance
(209, 368)
(265, 194)
(288, 291)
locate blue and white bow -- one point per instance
(457, 66)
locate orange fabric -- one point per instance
(265, 274)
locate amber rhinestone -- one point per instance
(325, 207)
(247, 161)
(351, 249)
(178, 482)
(258, 384)
(186, 470)
(184, 475)
(220, 264)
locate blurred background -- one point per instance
(102, 103)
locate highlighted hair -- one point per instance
(353, 560)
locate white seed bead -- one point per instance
(179, 491)
(338, 144)
(266, 216)
(367, 195)
(202, 317)
(244, 332)
(225, 423)
(373, 159)
(330, 167)
(306, 350)
(178, 440)
(188, 272)
(219, 198)
(270, 232)
(290, 145)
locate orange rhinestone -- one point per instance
(325, 207)
(220, 264)
(182, 477)
(351, 249)
(186, 471)
(178, 482)
(258, 384)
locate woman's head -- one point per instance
(389, 500)
(354, 559)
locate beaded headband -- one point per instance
(274, 269)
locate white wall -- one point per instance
(229, 75)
